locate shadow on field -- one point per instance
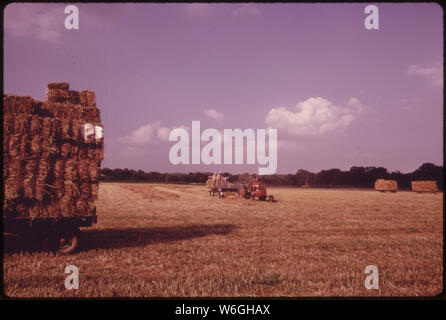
(121, 238)
(135, 237)
(13, 243)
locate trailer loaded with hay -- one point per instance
(219, 185)
(424, 186)
(386, 185)
(52, 151)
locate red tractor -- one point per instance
(255, 189)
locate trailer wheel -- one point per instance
(68, 241)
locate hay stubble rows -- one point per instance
(156, 240)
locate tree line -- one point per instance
(357, 177)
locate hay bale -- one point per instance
(84, 189)
(48, 128)
(74, 97)
(8, 124)
(424, 186)
(29, 181)
(36, 144)
(386, 185)
(59, 188)
(59, 85)
(5, 145)
(41, 178)
(57, 95)
(49, 148)
(14, 180)
(82, 169)
(13, 104)
(65, 150)
(35, 125)
(99, 155)
(93, 171)
(36, 210)
(91, 101)
(70, 172)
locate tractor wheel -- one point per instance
(67, 241)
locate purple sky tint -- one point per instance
(377, 94)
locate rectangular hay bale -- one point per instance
(386, 185)
(424, 186)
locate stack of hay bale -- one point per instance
(386, 185)
(52, 151)
(425, 186)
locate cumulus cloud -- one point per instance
(433, 74)
(246, 9)
(314, 116)
(42, 22)
(213, 114)
(149, 133)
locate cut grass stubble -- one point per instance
(158, 240)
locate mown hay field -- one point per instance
(160, 240)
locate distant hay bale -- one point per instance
(424, 186)
(386, 185)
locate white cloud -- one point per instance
(197, 10)
(42, 22)
(314, 116)
(149, 133)
(213, 114)
(246, 9)
(433, 74)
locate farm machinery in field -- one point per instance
(219, 185)
(255, 189)
(251, 189)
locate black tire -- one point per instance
(244, 192)
(67, 242)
